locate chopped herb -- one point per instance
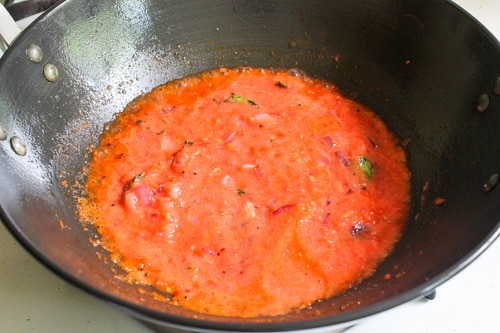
(249, 101)
(281, 85)
(239, 99)
(240, 191)
(188, 143)
(137, 177)
(366, 166)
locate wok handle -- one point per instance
(9, 29)
(27, 8)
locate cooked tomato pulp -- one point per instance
(247, 192)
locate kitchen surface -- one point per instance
(33, 299)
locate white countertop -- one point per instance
(33, 299)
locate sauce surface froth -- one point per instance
(247, 192)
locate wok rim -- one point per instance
(308, 325)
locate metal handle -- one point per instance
(21, 10)
(9, 29)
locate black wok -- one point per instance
(427, 68)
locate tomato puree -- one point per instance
(247, 192)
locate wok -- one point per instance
(430, 71)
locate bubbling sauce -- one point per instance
(247, 192)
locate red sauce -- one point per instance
(247, 192)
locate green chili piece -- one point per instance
(137, 178)
(240, 99)
(366, 166)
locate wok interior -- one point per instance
(420, 65)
